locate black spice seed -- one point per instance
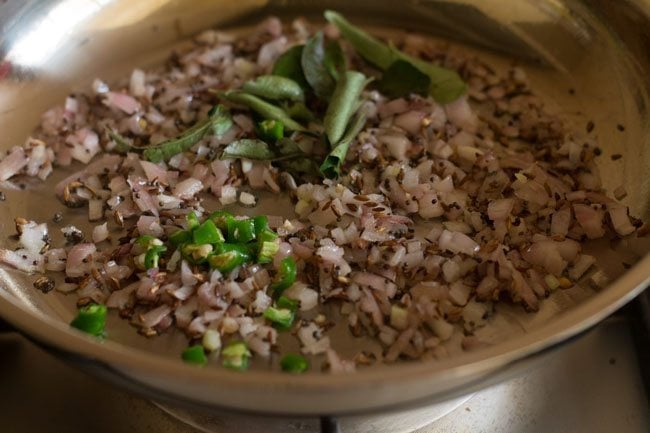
(572, 91)
(44, 284)
(620, 127)
(616, 156)
(590, 126)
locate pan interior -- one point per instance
(579, 71)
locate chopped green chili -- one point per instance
(261, 223)
(152, 256)
(241, 230)
(91, 319)
(282, 318)
(196, 254)
(207, 233)
(195, 355)
(192, 221)
(235, 355)
(263, 108)
(285, 276)
(146, 240)
(221, 241)
(345, 101)
(180, 237)
(290, 304)
(267, 250)
(267, 240)
(229, 256)
(221, 218)
(294, 363)
(271, 130)
(275, 87)
(218, 122)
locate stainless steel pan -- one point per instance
(591, 62)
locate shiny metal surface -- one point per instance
(554, 397)
(52, 48)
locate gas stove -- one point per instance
(594, 385)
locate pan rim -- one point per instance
(481, 364)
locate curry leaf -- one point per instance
(122, 144)
(299, 111)
(446, 85)
(288, 65)
(370, 48)
(344, 102)
(287, 148)
(331, 167)
(275, 87)
(305, 166)
(218, 122)
(248, 149)
(334, 60)
(322, 63)
(402, 78)
(261, 151)
(263, 108)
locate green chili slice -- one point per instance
(180, 237)
(235, 356)
(152, 256)
(145, 240)
(192, 221)
(221, 218)
(195, 355)
(207, 233)
(282, 318)
(91, 319)
(285, 276)
(271, 130)
(229, 256)
(294, 363)
(261, 223)
(241, 230)
(267, 250)
(195, 253)
(290, 304)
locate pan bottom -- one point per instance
(403, 422)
